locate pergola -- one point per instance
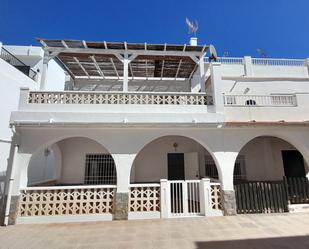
(125, 61)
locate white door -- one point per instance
(191, 166)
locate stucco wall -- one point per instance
(11, 80)
(263, 158)
(44, 166)
(74, 152)
(150, 164)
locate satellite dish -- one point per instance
(192, 26)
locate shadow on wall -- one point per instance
(273, 243)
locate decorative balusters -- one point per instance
(66, 201)
(109, 98)
(260, 100)
(278, 62)
(261, 61)
(216, 196)
(144, 198)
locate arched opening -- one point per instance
(72, 161)
(173, 158)
(268, 158)
(273, 176)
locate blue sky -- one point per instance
(238, 27)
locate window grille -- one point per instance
(100, 170)
(239, 168)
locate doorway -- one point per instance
(293, 163)
(176, 167)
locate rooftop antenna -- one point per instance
(261, 52)
(192, 26)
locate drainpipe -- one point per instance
(10, 181)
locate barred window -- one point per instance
(239, 168)
(100, 169)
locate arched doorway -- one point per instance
(179, 163)
(273, 176)
(72, 161)
(170, 157)
(268, 158)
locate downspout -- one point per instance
(10, 181)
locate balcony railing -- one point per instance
(111, 98)
(228, 60)
(278, 62)
(11, 59)
(261, 61)
(260, 100)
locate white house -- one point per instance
(158, 131)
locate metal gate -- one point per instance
(184, 198)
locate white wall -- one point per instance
(55, 78)
(150, 164)
(11, 80)
(74, 152)
(263, 158)
(44, 167)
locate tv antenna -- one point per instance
(192, 26)
(261, 52)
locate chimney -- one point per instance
(193, 41)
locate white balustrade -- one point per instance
(67, 200)
(228, 60)
(144, 198)
(260, 100)
(278, 62)
(130, 98)
(261, 61)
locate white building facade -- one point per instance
(158, 131)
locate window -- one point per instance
(100, 169)
(239, 169)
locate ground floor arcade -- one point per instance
(79, 173)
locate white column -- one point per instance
(202, 74)
(21, 172)
(248, 66)
(226, 161)
(44, 74)
(198, 79)
(165, 198)
(125, 73)
(216, 83)
(123, 166)
(204, 196)
(23, 97)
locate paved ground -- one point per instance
(242, 232)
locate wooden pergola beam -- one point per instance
(97, 66)
(115, 69)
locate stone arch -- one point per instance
(151, 161)
(269, 155)
(81, 160)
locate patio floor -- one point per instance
(239, 232)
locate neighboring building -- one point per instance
(20, 66)
(159, 130)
